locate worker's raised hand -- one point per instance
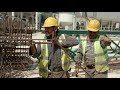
(32, 49)
(107, 41)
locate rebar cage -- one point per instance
(15, 39)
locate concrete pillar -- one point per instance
(117, 25)
(74, 22)
(36, 20)
(112, 26)
(66, 27)
(40, 17)
(13, 15)
(21, 15)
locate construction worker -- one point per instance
(50, 66)
(93, 52)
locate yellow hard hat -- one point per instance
(94, 25)
(50, 21)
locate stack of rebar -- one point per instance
(15, 39)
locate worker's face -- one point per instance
(49, 30)
(93, 35)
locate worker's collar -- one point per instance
(88, 38)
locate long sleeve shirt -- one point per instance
(89, 53)
(54, 62)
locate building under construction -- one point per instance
(19, 30)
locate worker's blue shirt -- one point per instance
(57, 56)
(56, 62)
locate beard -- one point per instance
(92, 37)
(49, 36)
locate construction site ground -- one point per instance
(33, 71)
(35, 74)
(113, 73)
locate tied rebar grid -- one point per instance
(15, 39)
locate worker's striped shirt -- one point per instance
(89, 52)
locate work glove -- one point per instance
(107, 41)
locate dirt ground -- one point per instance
(114, 74)
(34, 74)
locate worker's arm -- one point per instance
(69, 41)
(105, 41)
(32, 50)
(35, 51)
(79, 55)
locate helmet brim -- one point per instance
(49, 26)
(93, 30)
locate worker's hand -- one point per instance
(32, 49)
(107, 41)
(55, 40)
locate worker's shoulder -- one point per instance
(83, 37)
